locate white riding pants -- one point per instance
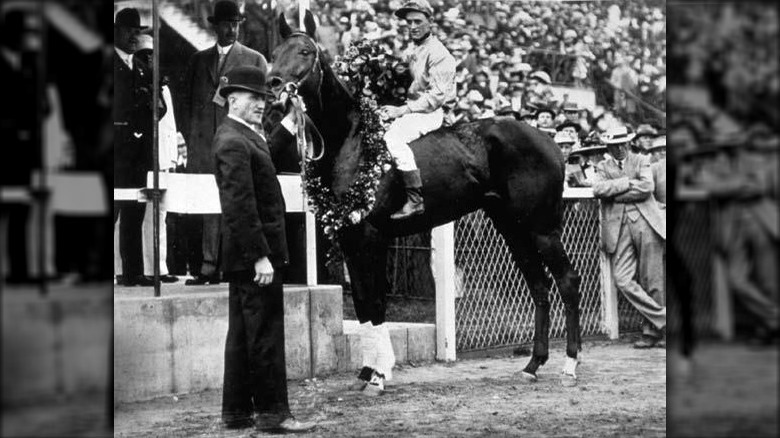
(405, 130)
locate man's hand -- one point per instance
(393, 112)
(264, 272)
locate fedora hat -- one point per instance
(586, 149)
(562, 137)
(245, 78)
(646, 130)
(617, 135)
(541, 76)
(226, 10)
(421, 6)
(128, 17)
(658, 143)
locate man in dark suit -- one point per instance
(254, 251)
(133, 151)
(17, 125)
(204, 110)
(633, 231)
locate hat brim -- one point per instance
(401, 13)
(625, 139)
(224, 91)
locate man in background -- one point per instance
(204, 110)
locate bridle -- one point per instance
(305, 149)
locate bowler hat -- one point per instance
(245, 78)
(421, 6)
(128, 17)
(545, 109)
(225, 10)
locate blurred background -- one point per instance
(55, 229)
(722, 377)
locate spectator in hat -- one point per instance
(204, 109)
(570, 128)
(133, 130)
(538, 89)
(746, 225)
(545, 120)
(633, 231)
(255, 255)
(566, 141)
(657, 151)
(571, 111)
(645, 134)
(166, 157)
(586, 157)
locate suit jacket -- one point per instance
(17, 126)
(745, 192)
(251, 198)
(659, 178)
(617, 188)
(133, 149)
(201, 116)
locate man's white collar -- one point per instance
(245, 123)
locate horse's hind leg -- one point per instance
(566, 277)
(529, 261)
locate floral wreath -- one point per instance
(375, 78)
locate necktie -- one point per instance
(620, 164)
(222, 57)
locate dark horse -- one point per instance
(506, 167)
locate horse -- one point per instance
(511, 170)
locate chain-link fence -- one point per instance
(494, 307)
(693, 238)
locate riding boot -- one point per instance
(414, 200)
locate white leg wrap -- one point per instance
(367, 345)
(385, 355)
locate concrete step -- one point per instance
(412, 342)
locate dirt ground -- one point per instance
(621, 392)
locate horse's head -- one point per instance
(297, 61)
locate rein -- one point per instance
(302, 120)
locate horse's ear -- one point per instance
(309, 24)
(284, 28)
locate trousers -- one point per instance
(405, 130)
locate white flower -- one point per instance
(355, 217)
(387, 167)
(328, 230)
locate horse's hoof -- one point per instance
(528, 377)
(568, 381)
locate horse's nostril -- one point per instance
(275, 82)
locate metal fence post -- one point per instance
(443, 261)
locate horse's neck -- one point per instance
(336, 115)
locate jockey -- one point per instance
(433, 70)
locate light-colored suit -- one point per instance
(633, 231)
(746, 231)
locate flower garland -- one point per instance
(375, 78)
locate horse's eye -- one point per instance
(305, 52)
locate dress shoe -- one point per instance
(362, 379)
(200, 280)
(138, 280)
(289, 425)
(169, 278)
(238, 423)
(646, 341)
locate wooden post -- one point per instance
(609, 297)
(311, 248)
(724, 316)
(443, 261)
(156, 141)
(303, 5)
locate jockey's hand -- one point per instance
(393, 112)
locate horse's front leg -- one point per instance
(365, 251)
